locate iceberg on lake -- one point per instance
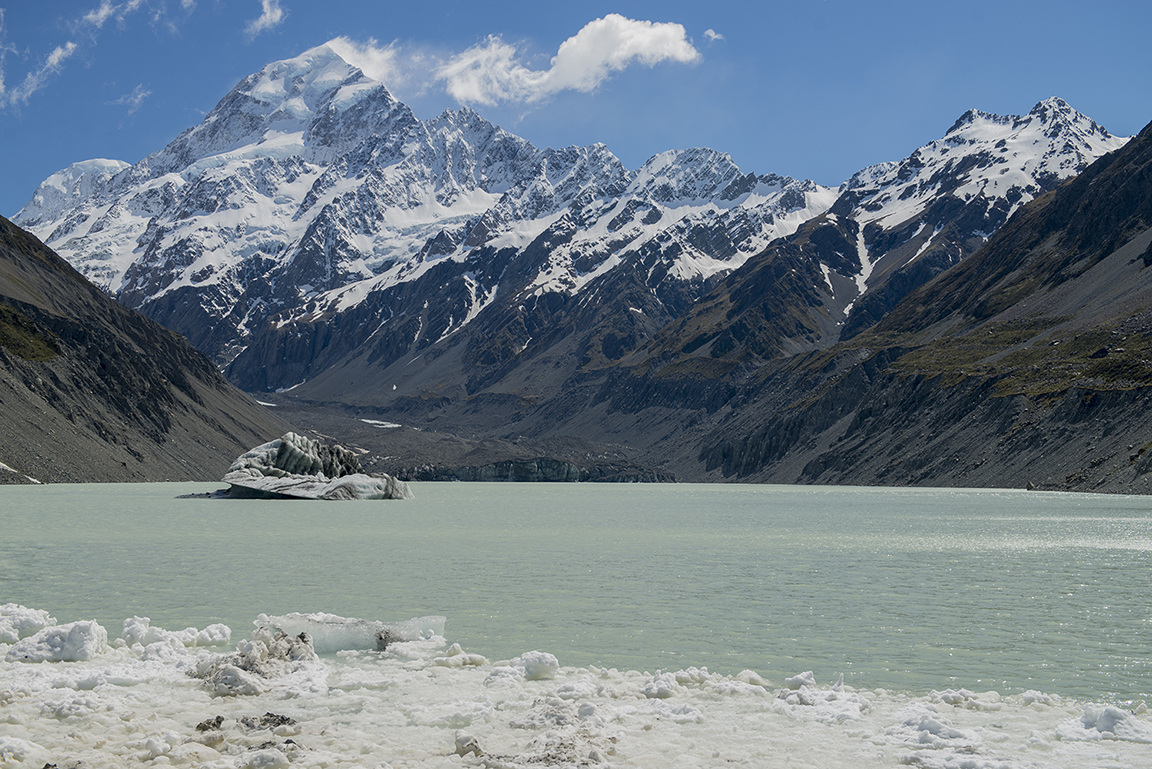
(296, 467)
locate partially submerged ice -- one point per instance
(332, 633)
(296, 467)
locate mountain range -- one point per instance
(316, 239)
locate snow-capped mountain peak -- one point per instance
(309, 192)
(681, 176)
(68, 188)
(984, 155)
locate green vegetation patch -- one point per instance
(1028, 360)
(21, 337)
(971, 352)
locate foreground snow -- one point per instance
(399, 695)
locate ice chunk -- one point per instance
(660, 687)
(18, 622)
(62, 643)
(331, 633)
(1039, 698)
(536, 666)
(456, 657)
(270, 654)
(807, 678)
(467, 744)
(751, 677)
(962, 698)
(1106, 722)
(139, 630)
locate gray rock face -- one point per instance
(295, 467)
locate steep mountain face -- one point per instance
(565, 317)
(95, 392)
(1027, 363)
(893, 227)
(309, 191)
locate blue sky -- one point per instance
(810, 88)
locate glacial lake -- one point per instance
(901, 588)
(1040, 599)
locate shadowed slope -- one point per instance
(91, 391)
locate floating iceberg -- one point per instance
(295, 467)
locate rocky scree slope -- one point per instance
(92, 391)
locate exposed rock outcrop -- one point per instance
(295, 467)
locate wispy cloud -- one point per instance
(270, 19)
(84, 29)
(97, 16)
(36, 79)
(383, 63)
(100, 15)
(132, 100)
(491, 72)
(5, 49)
(712, 35)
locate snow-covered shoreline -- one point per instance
(421, 702)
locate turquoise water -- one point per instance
(905, 589)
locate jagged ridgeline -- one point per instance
(312, 233)
(310, 192)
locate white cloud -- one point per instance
(271, 17)
(36, 80)
(378, 63)
(133, 100)
(491, 72)
(712, 35)
(98, 16)
(5, 49)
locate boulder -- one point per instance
(296, 467)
